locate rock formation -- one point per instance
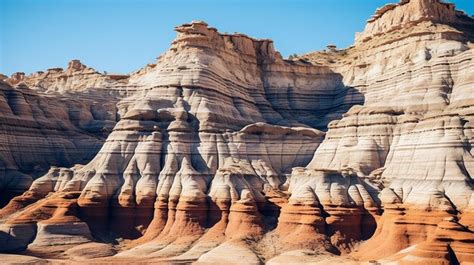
(40, 130)
(413, 134)
(55, 118)
(225, 152)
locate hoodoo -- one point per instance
(224, 152)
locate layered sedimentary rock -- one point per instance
(219, 154)
(77, 77)
(196, 147)
(55, 118)
(412, 136)
(38, 131)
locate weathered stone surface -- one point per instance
(11, 259)
(39, 131)
(411, 138)
(308, 257)
(219, 154)
(89, 251)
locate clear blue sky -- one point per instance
(121, 36)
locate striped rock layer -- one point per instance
(224, 152)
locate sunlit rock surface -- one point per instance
(223, 152)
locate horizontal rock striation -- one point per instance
(55, 118)
(39, 131)
(393, 18)
(412, 136)
(195, 149)
(77, 77)
(219, 153)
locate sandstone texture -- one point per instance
(223, 152)
(41, 130)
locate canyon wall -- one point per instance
(41, 130)
(413, 135)
(223, 151)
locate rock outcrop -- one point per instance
(201, 134)
(219, 154)
(55, 118)
(40, 130)
(77, 77)
(412, 136)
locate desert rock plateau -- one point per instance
(224, 152)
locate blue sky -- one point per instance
(121, 36)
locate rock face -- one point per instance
(77, 77)
(413, 134)
(38, 131)
(55, 118)
(219, 154)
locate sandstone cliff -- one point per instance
(413, 135)
(55, 118)
(38, 131)
(219, 153)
